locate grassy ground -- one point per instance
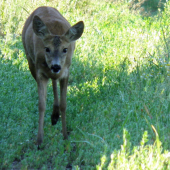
(118, 112)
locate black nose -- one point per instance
(56, 68)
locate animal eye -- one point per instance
(47, 50)
(64, 50)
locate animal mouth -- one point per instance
(55, 68)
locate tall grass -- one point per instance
(118, 95)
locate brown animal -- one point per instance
(49, 42)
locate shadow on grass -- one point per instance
(147, 7)
(103, 106)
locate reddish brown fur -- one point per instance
(49, 42)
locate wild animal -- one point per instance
(49, 43)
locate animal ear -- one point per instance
(39, 27)
(75, 32)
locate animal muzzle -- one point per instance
(55, 68)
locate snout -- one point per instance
(55, 68)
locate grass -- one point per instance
(118, 102)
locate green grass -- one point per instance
(118, 102)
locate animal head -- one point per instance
(56, 47)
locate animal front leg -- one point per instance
(63, 93)
(56, 111)
(42, 91)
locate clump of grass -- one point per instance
(140, 157)
(147, 7)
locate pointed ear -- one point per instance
(75, 32)
(40, 29)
